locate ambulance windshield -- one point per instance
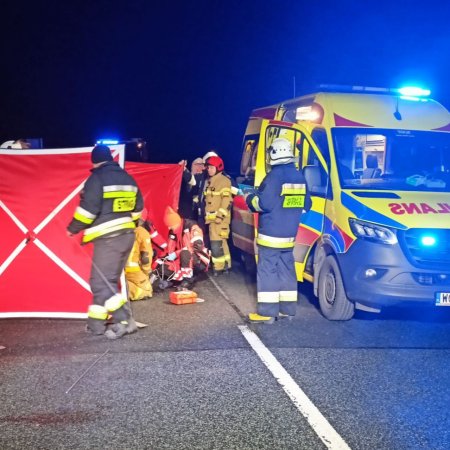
(393, 159)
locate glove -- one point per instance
(218, 220)
(171, 256)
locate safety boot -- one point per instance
(119, 330)
(256, 318)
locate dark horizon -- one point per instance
(185, 77)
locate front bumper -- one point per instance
(397, 280)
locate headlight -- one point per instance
(372, 232)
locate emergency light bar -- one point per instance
(107, 141)
(407, 91)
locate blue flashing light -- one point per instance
(108, 141)
(413, 91)
(428, 240)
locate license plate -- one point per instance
(442, 298)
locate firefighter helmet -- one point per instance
(215, 161)
(280, 152)
(208, 155)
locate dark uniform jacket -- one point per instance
(110, 203)
(280, 200)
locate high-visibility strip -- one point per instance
(119, 194)
(129, 269)
(92, 236)
(136, 215)
(218, 259)
(110, 223)
(132, 264)
(97, 312)
(115, 302)
(288, 296)
(83, 215)
(275, 242)
(120, 187)
(293, 189)
(268, 297)
(255, 204)
(211, 215)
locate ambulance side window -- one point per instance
(316, 176)
(248, 161)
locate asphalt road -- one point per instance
(191, 380)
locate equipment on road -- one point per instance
(183, 297)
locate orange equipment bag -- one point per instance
(182, 297)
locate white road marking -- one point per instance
(326, 433)
(316, 420)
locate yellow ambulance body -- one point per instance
(377, 164)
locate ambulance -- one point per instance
(377, 165)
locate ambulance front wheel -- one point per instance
(333, 300)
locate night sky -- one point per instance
(185, 75)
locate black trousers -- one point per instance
(108, 262)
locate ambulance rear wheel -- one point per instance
(333, 300)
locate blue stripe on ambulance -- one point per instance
(363, 212)
(313, 220)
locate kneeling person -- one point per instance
(139, 264)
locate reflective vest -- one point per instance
(280, 200)
(110, 203)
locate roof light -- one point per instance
(311, 113)
(108, 141)
(413, 91)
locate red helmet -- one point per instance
(217, 162)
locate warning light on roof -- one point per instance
(311, 113)
(413, 91)
(108, 141)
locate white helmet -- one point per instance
(208, 155)
(280, 152)
(11, 144)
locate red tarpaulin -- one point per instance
(43, 272)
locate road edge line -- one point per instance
(327, 434)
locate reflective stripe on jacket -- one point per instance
(110, 203)
(218, 199)
(280, 200)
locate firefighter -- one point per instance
(280, 200)
(187, 255)
(139, 264)
(110, 203)
(218, 201)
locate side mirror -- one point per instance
(314, 181)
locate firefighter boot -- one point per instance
(256, 318)
(119, 330)
(95, 327)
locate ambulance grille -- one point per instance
(432, 257)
